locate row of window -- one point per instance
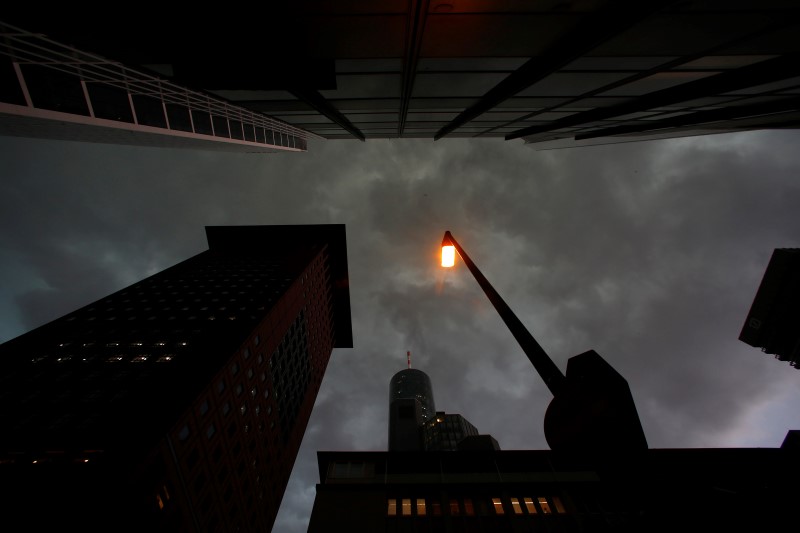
(541, 505)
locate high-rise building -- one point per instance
(177, 403)
(555, 73)
(773, 322)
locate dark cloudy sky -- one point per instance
(649, 253)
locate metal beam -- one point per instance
(418, 15)
(320, 104)
(699, 118)
(593, 30)
(775, 69)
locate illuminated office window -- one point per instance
(454, 509)
(545, 506)
(392, 508)
(529, 505)
(469, 510)
(406, 506)
(421, 507)
(515, 505)
(498, 506)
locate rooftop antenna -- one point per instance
(408, 355)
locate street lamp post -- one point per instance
(592, 407)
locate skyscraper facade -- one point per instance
(554, 73)
(410, 406)
(773, 322)
(177, 403)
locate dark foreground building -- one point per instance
(552, 72)
(178, 403)
(773, 322)
(540, 490)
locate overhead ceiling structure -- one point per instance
(558, 73)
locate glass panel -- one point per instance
(202, 122)
(545, 506)
(469, 510)
(498, 506)
(55, 90)
(421, 507)
(179, 117)
(559, 507)
(406, 506)
(236, 129)
(529, 505)
(392, 507)
(515, 505)
(454, 509)
(109, 102)
(220, 126)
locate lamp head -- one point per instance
(448, 251)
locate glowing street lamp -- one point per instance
(592, 407)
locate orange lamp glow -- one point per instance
(448, 255)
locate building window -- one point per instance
(391, 510)
(421, 507)
(515, 505)
(545, 506)
(257, 340)
(184, 433)
(406, 506)
(226, 408)
(239, 389)
(210, 431)
(498, 506)
(454, 509)
(234, 369)
(221, 386)
(469, 510)
(529, 505)
(204, 408)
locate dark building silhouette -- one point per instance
(555, 73)
(727, 489)
(773, 322)
(416, 425)
(177, 403)
(410, 406)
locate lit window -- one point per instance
(515, 505)
(114, 359)
(253, 392)
(469, 510)
(392, 508)
(243, 408)
(406, 506)
(160, 501)
(498, 506)
(559, 507)
(164, 359)
(454, 509)
(529, 505)
(140, 359)
(544, 505)
(421, 507)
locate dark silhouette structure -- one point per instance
(177, 403)
(734, 489)
(773, 322)
(555, 73)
